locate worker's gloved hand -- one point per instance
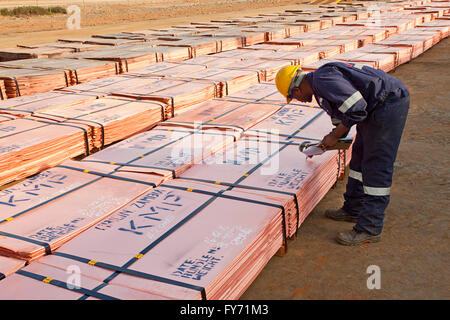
(328, 141)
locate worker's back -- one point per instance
(373, 84)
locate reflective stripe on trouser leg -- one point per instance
(354, 192)
(381, 134)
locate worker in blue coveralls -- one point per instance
(377, 104)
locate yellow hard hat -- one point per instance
(284, 80)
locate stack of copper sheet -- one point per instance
(218, 113)
(267, 69)
(39, 281)
(198, 46)
(442, 25)
(402, 54)
(19, 53)
(106, 86)
(226, 81)
(77, 71)
(21, 82)
(63, 202)
(3, 95)
(109, 119)
(146, 71)
(165, 53)
(101, 41)
(211, 61)
(128, 60)
(166, 149)
(9, 266)
(314, 66)
(274, 168)
(417, 45)
(176, 70)
(303, 56)
(30, 145)
(217, 261)
(74, 46)
(39, 102)
(177, 94)
(383, 61)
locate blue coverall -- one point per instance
(377, 104)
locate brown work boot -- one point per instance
(340, 215)
(353, 237)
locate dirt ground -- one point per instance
(413, 255)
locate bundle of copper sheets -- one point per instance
(166, 149)
(39, 102)
(9, 265)
(19, 53)
(177, 94)
(31, 145)
(225, 81)
(219, 260)
(42, 213)
(267, 69)
(216, 113)
(127, 60)
(21, 82)
(77, 71)
(109, 119)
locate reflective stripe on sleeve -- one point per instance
(350, 101)
(355, 175)
(376, 191)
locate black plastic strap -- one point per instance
(17, 86)
(106, 175)
(221, 195)
(132, 272)
(65, 285)
(124, 164)
(47, 201)
(40, 243)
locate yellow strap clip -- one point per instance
(47, 280)
(92, 262)
(139, 255)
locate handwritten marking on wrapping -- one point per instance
(49, 234)
(198, 267)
